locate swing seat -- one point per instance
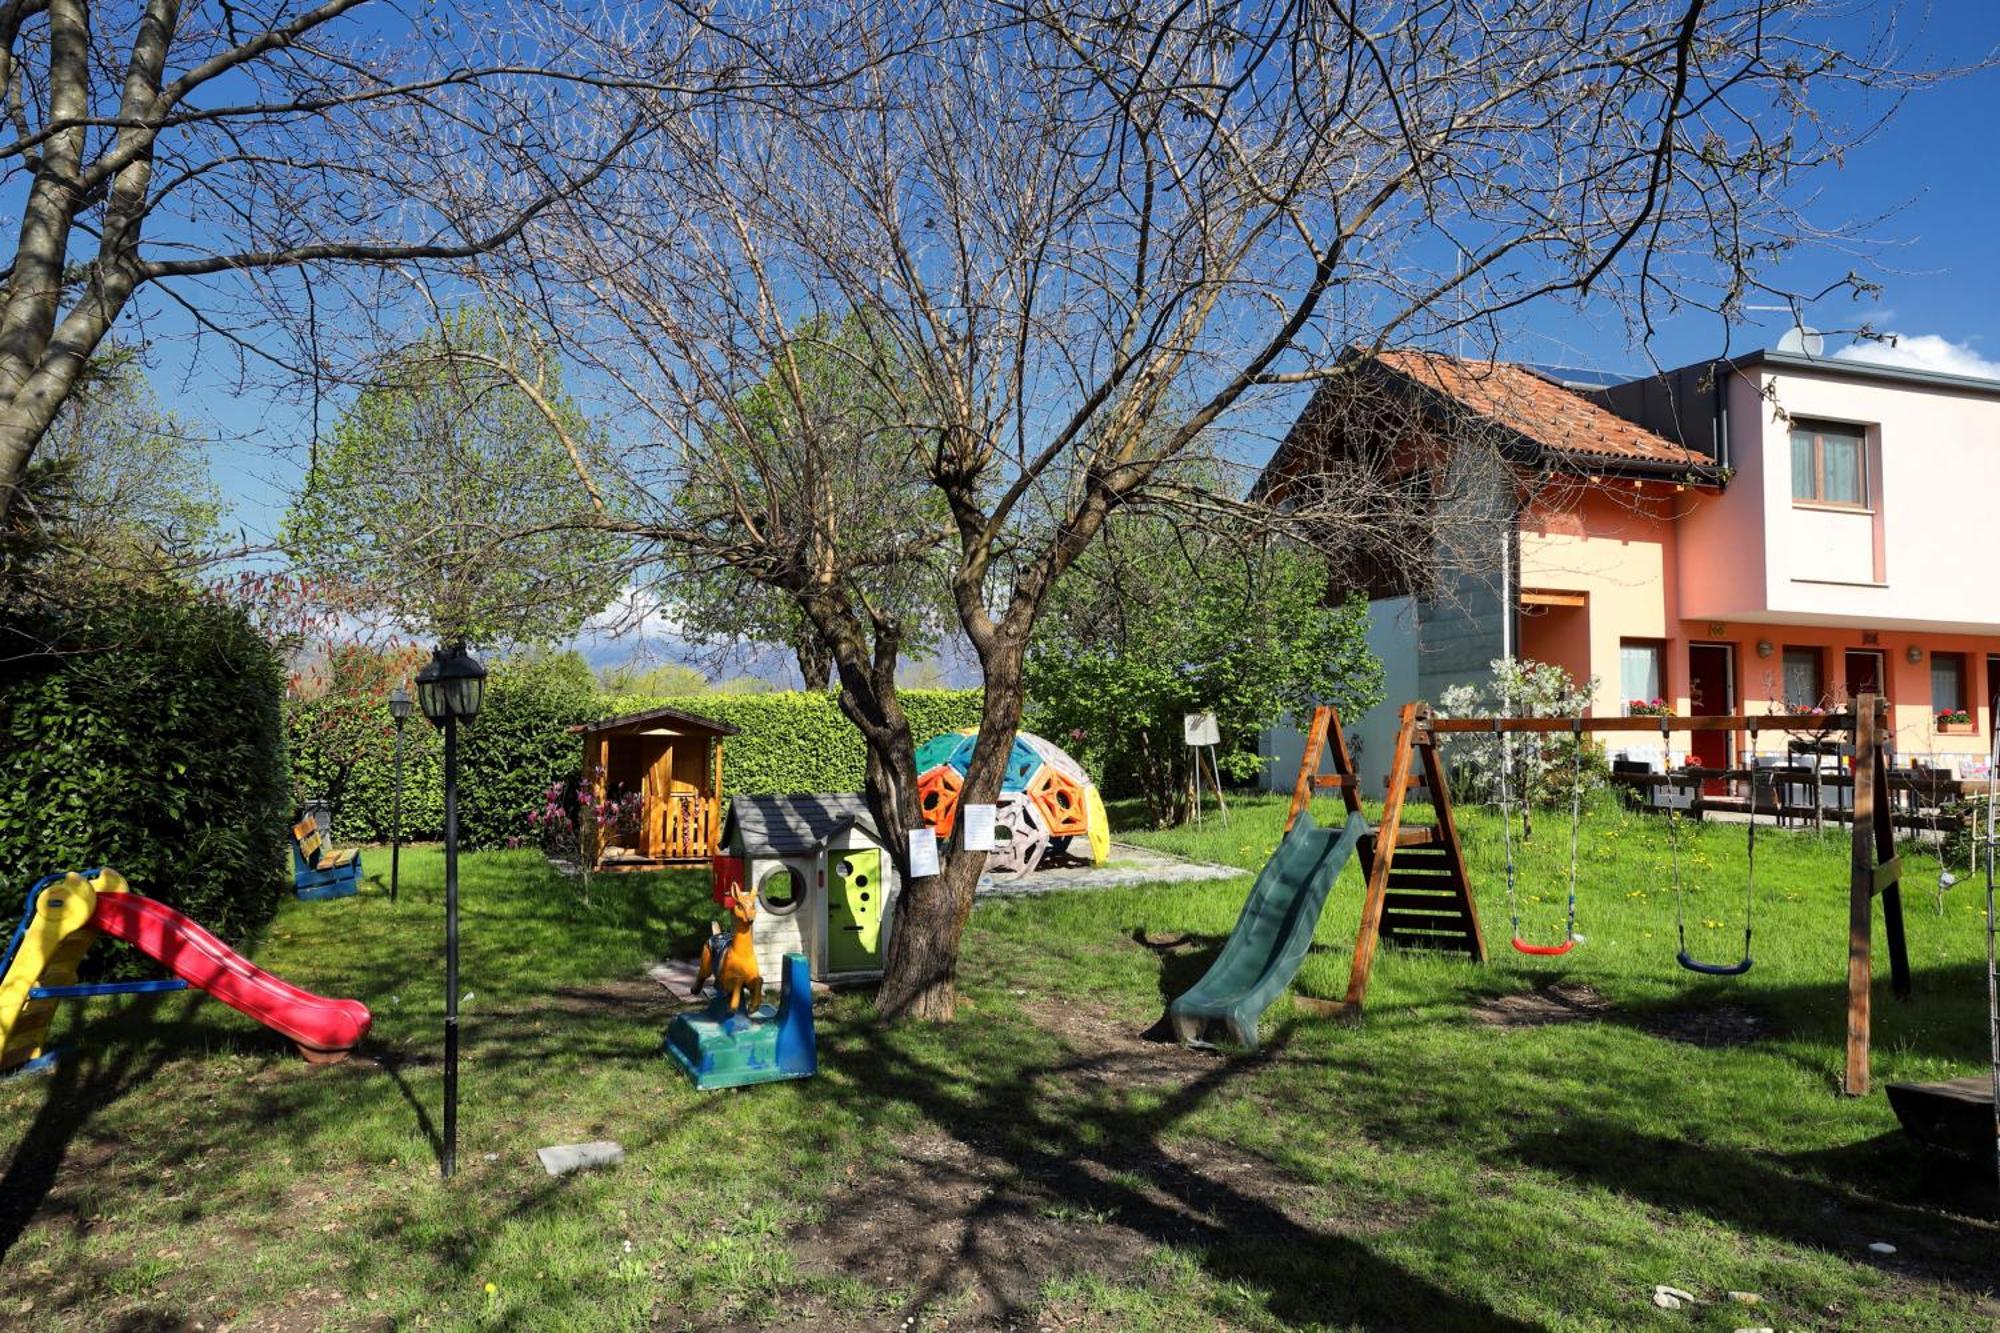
(1543, 950)
(1713, 969)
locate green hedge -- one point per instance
(800, 742)
(521, 743)
(149, 739)
(508, 756)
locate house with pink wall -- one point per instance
(1775, 531)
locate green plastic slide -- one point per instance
(1263, 953)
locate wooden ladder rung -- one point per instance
(1437, 921)
(1418, 902)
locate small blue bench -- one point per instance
(318, 871)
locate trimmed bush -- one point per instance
(521, 743)
(799, 741)
(148, 738)
(344, 752)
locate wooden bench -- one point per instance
(318, 871)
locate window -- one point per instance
(1639, 680)
(1805, 681)
(778, 891)
(1948, 684)
(1827, 464)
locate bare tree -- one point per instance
(232, 161)
(1071, 228)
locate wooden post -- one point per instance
(1874, 870)
(1386, 834)
(715, 801)
(1343, 763)
(1308, 764)
(1322, 734)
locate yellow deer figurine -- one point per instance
(731, 958)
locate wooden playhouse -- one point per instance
(825, 886)
(674, 761)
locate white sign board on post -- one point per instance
(1201, 729)
(1203, 733)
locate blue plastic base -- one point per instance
(41, 1064)
(718, 1049)
(345, 888)
(91, 990)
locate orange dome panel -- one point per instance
(937, 797)
(1060, 799)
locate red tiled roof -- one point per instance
(1538, 409)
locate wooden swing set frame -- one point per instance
(1419, 895)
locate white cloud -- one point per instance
(634, 613)
(1923, 351)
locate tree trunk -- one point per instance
(814, 659)
(921, 980)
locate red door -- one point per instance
(1711, 693)
(1863, 674)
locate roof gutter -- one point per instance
(1865, 370)
(1636, 469)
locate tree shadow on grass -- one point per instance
(82, 1083)
(1107, 1156)
(391, 1062)
(1834, 1200)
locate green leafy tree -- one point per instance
(447, 495)
(818, 450)
(119, 492)
(338, 719)
(1156, 622)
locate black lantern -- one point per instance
(451, 685)
(401, 705)
(450, 688)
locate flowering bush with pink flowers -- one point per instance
(575, 820)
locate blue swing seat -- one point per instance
(1713, 969)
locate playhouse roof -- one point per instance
(659, 717)
(766, 824)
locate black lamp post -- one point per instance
(449, 688)
(400, 708)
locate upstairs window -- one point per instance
(1828, 464)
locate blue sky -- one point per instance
(1933, 253)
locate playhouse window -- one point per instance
(778, 891)
(1827, 464)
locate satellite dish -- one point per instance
(1802, 339)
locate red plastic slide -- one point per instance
(322, 1027)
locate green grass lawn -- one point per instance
(1036, 1162)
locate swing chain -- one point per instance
(1575, 815)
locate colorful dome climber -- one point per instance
(1046, 799)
